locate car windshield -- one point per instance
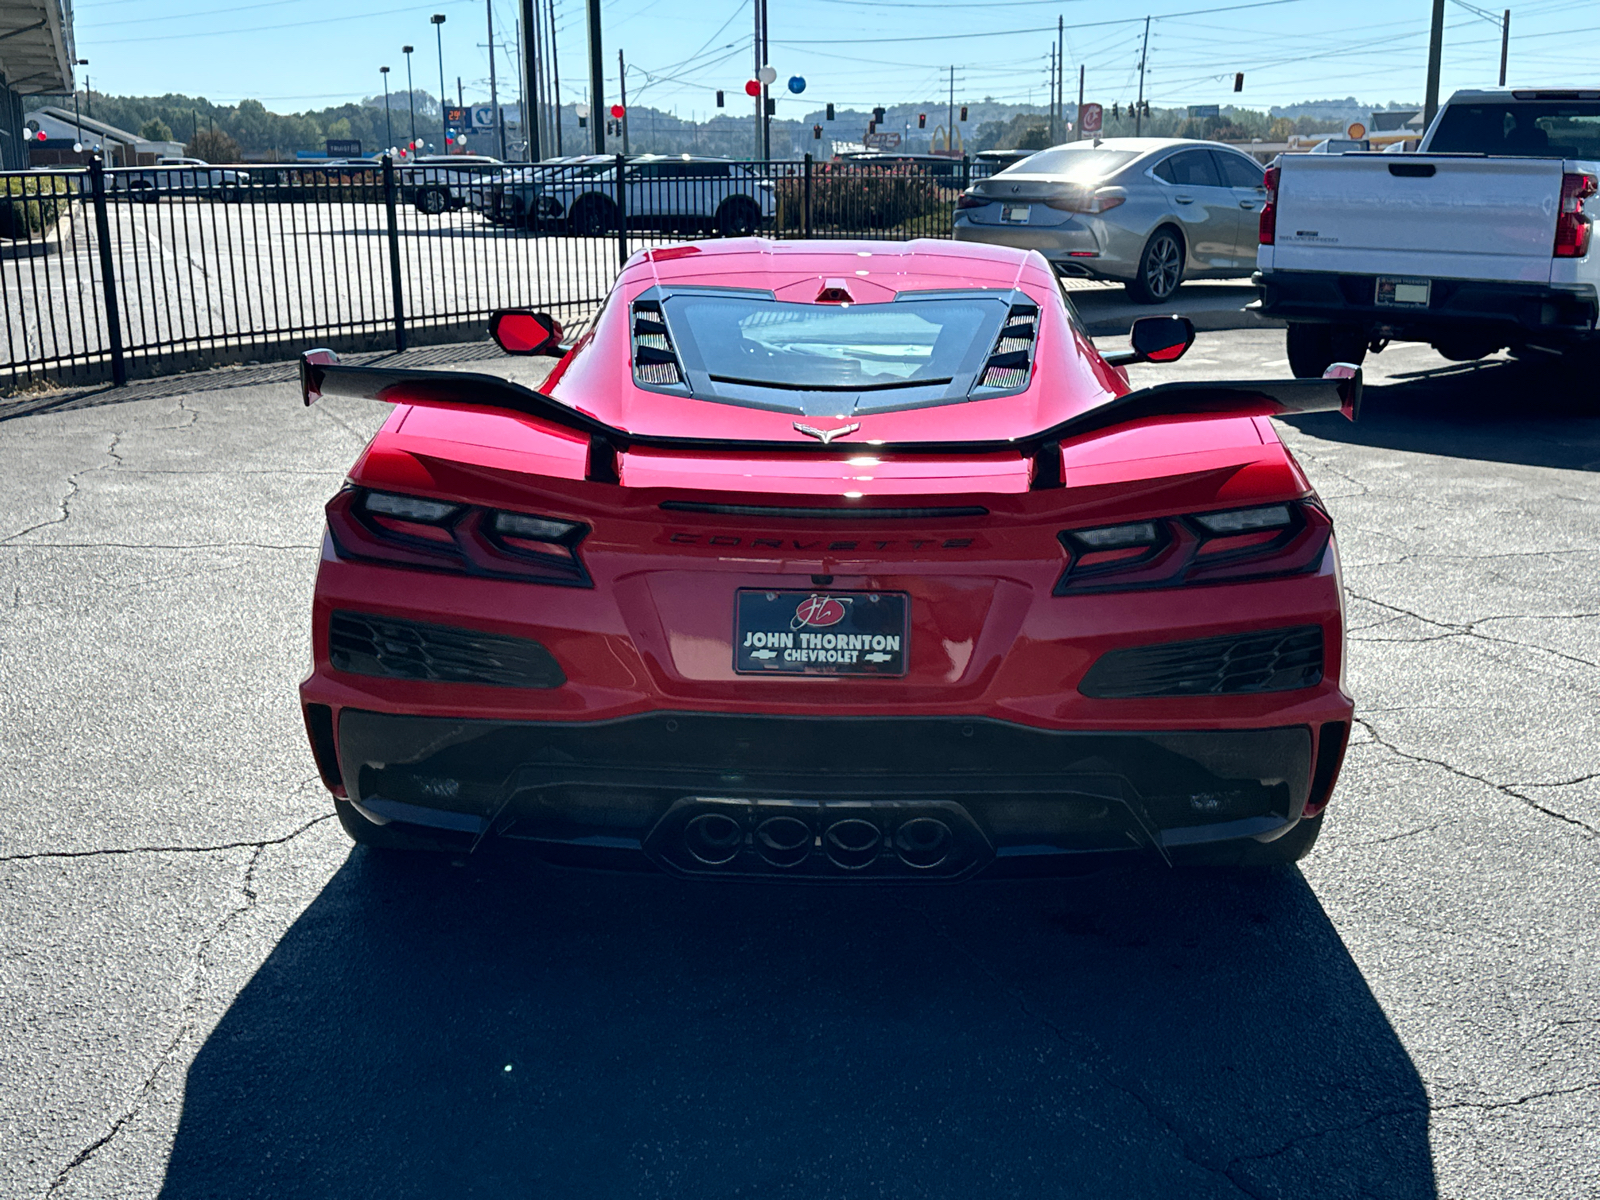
(1521, 129)
(1067, 163)
(906, 343)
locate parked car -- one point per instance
(934, 164)
(173, 176)
(992, 162)
(438, 183)
(779, 576)
(662, 191)
(1150, 212)
(1478, 241)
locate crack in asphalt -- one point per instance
(72, 492)
(1021, 1000)
(1503, 788)
(1412, 1111)
(161, 546)
(1395, 837)
(187, 1008)
(1469, 629)
(216, 849)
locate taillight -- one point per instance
(1268, 229)
(969, 200)
(416, 531)
(1572, 224)
(1087, 202)
(1213, 547)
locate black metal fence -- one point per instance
(109, 274)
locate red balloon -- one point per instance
(617, 110)
(753, 88)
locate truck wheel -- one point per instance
(592, 216)
(1464, 349)
(1160, 268)
(739, 217)
(432, 201)
(1313, 348)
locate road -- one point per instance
(206, 992)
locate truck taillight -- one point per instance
(1269, 210)
(1572, 224)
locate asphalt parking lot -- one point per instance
(206, 992)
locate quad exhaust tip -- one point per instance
(884, 839)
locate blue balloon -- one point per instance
(796, 84)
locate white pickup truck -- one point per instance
(1477, 241)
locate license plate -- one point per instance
(1403, 293)
(1016, 214)
(820, 633)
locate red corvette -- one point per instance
(830, 560)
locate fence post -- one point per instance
(108, 273)
(805, 207)
(395, 281)
(622, 214)
(966, 171)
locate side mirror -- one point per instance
(1156, 339)
(521, 331)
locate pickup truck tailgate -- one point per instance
(1436, 216)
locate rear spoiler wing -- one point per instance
(322, 374)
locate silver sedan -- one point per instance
(1150, 212)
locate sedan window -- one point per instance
(1189, 168)
(1239, 171)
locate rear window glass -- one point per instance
(1191, 168)
(798, 347)
(1073, 164)
(1521, 129)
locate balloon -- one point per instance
(796, 84)
(752, 88)
(767, 74)
(617, 110)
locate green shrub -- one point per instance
(850, 197)
(31, 204)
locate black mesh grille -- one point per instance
(1276, 660)
(367, 645)
(1008, 362)
(655, 361)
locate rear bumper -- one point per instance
(1514, 312)
(833, 798)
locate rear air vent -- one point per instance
(363, 644)
(1276, 660)
(655, 360)
(1007, 368)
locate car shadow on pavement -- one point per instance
(501, 1029)
(1500, 410)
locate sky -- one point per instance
(295, 55)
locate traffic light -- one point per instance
(963, 112)
(719, 100)
(1116, 112)
(816, 133)
(1147, 108)
(877, 115)
(583, 122)
(830, 112)
(922, 120)
(772, 106)
(1238, 81)
(872, 127)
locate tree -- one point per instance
(155, 130)
(1282, 129)
(1034, 137)
(213, 146)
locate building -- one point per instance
(36, 58)
(119, 148)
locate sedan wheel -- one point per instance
(431, 201)
(1160, 268)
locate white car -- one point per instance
(437, 183)
(1478, 241)
(173, 176)
(659, 191)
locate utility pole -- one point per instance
(444, 125)
(1144, 53)
(597, 79)
(411, 96)
(950, 117)
(1077, 118)
(494, 92)
(388, 126)
(622, 96)
(755, 52)
(1430, 106)
(461, 96)
(1505, 44)
(1061, 75)
(530, 136)
(1050, 104)
(555, 74)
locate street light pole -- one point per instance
(1144, 53)
(444, 124)
(494, 92)
(411, 96)
(1505, 44)
(1430, 103)
(388, 126)
(597, 79)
